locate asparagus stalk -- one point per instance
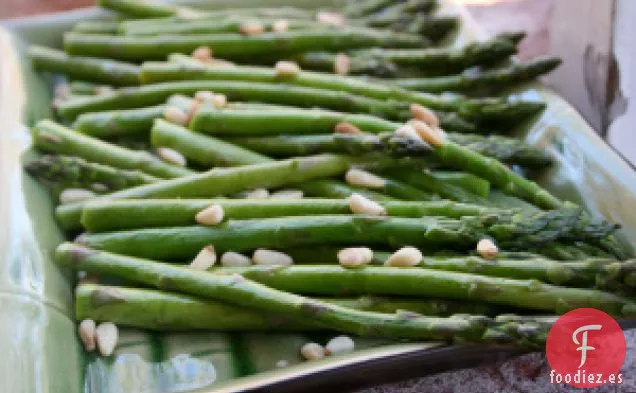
(363, 8)
(51, 137)
(234, 46)
(239, 291)
(181, 243)
(489, 81)
(459, 157)
(114, 215)
(142, 308)
(75, 170)
(96, 27)
(215, 26)
(484, 110)
(228, 284)
(272, 93)
(203, 150)
(86, 68)
(432, 27)
(508, 150)
(398, 11)
(83, 88)
(140, 9)
(222, 181)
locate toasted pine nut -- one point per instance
(106, 335)
(355, 256)
(361, 205)
(72, 195)
(86, 331)
(331, 18)
(312, 351)
(286, 69)
(429, 134)
(205, 259)
(211, 215)
(408, 132)
(342, 64)
(339, 345)
(280, 26)
(231, 258)
(487, 248)
(358, 177)
(202, 53)
(204, 96)
(424, 114)
(252, 28)
(270, 257)
(287, 194)
(219, 101)
(346, 128)
(258, 193)
(171, 156)
(405, 257)
(175, 115)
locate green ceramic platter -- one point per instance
(39, 349)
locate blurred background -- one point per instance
(594, 37)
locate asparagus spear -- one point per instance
(459, 157)
(273, 93)
(51, 137)
(214, 26)
(483, 110)
(142, 308)
(242, 292)
(488, 81)
(333, 280)
(432, 27)
(508, 150)
(96, 27)
(234, 46)
(398, 11)
(75, 170)
(358, 9)
(83, 88)
(87, 68)
(111, 215)
(222, 181)
(179, 243)
(204, 150)
(140, 9)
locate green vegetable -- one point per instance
(84, 174)
(51, 137)
(112, 215)
(96, 27)
(87, 68)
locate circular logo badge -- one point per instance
(585, 349)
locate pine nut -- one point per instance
(202, 53)
(312, 351)
(361, 205)
(286, 69)
(205, 259)
(252, 28)
(405, 257)
(429, 134)
(72, 195)
(346, 128)
(171, 156)
(175, 115)
(287, 194)
(231, 258)
(339, 345)
(86, 331)
(342, 64)
(408, 132)
(219, 101)
(424, 114)
(103, 90)
(355, 256)
(211, 215)
(258, 193)
(487, 248)
(270, 257)
(280, 26)
(106, 334)
(204, 96)
(360, 178)
(331, 18)
(62, 91)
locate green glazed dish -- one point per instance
(40, 349)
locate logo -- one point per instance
(586, 349)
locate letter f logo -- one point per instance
(583, 344)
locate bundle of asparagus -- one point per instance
(194, 155)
